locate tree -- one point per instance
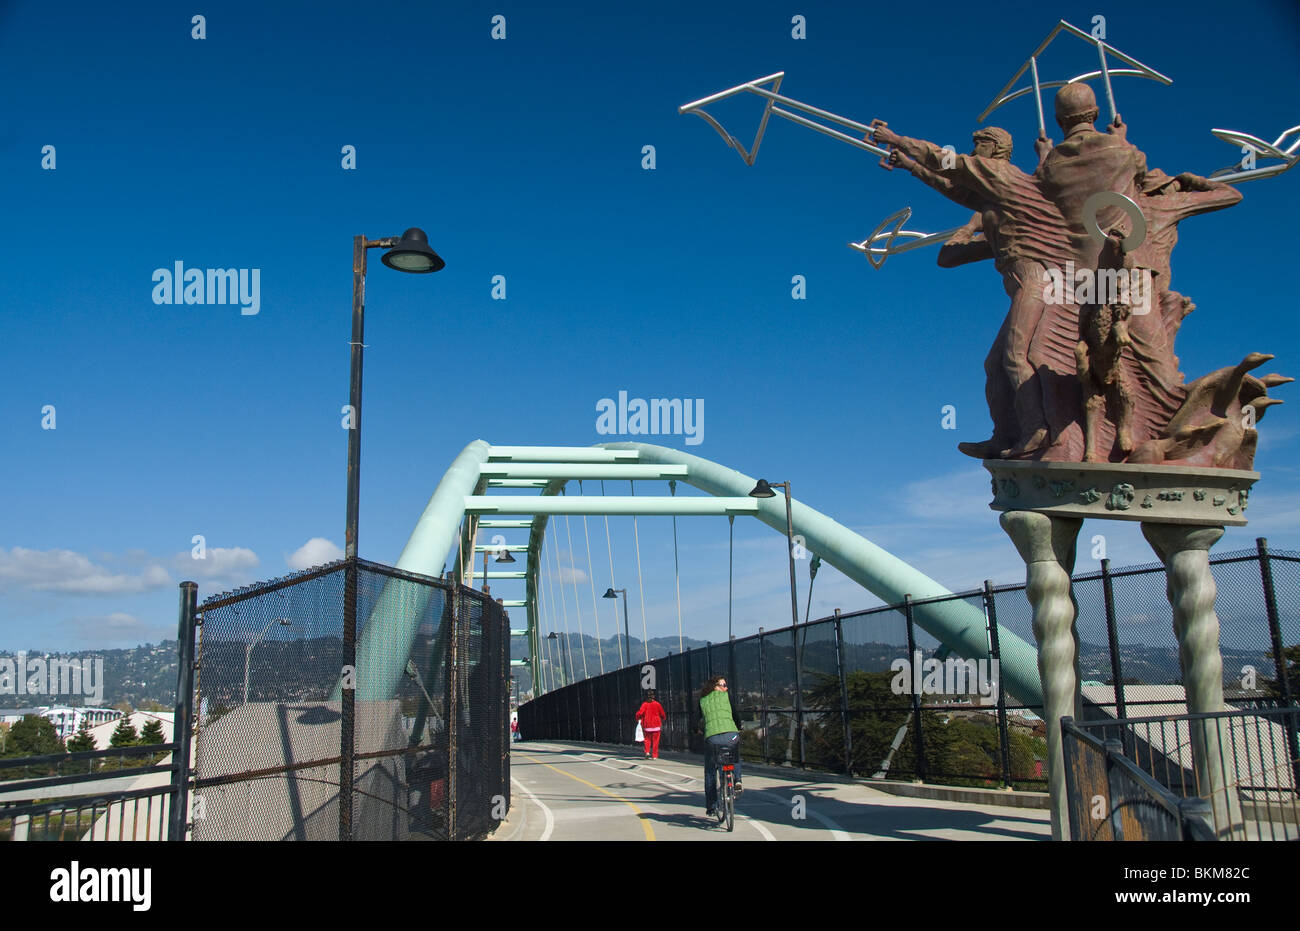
(81, 741)
(34, 735)
(151, 705)
(152, 733)
(124, 735)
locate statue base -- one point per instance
(1183, 512)
(1152, 494)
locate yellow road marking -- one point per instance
(645, 825)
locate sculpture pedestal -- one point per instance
(1183, 512)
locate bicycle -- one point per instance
(724, 767)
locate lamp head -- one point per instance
(412, 254)
(762, 490)
(609, 593)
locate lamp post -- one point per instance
(248, 650)
(614, 593)
(764, 490)
(565, 665)
(409, 253)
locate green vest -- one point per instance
(717, 714)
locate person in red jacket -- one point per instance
(651, 715)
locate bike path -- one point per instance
(569, 791)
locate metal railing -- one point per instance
(839, 713)
(1235, 769)
(90, 795)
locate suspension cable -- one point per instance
(636, 536)
(591, 577)
(677, 577)
(731, 541)
(544, 617)
(564, 609)
(609, 546)
(577, 604)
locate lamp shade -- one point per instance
(412, 254)
(762, 490)
(609, 593)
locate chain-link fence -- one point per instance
(353, 701)
(826, 695)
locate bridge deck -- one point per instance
(566, 791)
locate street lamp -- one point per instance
(408, 253)
(566, 665)
(614, 593)
(503, 555)
(764, 490)
(248, 650)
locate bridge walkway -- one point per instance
(570, 791)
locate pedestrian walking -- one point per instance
(651, 717)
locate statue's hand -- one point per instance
(1043, 146)
(881, 134)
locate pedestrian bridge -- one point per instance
(483, 492)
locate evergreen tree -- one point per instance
(34, 735)
(152, 733)
(124, 735)
(81, 741)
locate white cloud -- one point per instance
(74, 573)
(314, 552)
(571, 574)
(219, 564)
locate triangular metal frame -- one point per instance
(1289, 155)
(773, 99)
(1136, 69)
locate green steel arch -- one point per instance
(460, 509)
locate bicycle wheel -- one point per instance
(729, 803)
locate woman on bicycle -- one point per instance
(720, 730)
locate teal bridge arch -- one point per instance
(460, 509)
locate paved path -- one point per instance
(562, 791)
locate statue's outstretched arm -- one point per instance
(966, 245)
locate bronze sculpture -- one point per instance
(1088, 375)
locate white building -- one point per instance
(65, 719)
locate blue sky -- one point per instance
(523, 158)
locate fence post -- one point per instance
(348, 696)
(1279, 655)
(916, 693)
(184, 710)
(844, 696)
(1112, 634)
(453, 709)
(762, 687)
(1004, 737)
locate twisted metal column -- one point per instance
(1046, 544)
(1185, 551)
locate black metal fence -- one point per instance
(823, 695)
(419, 749)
